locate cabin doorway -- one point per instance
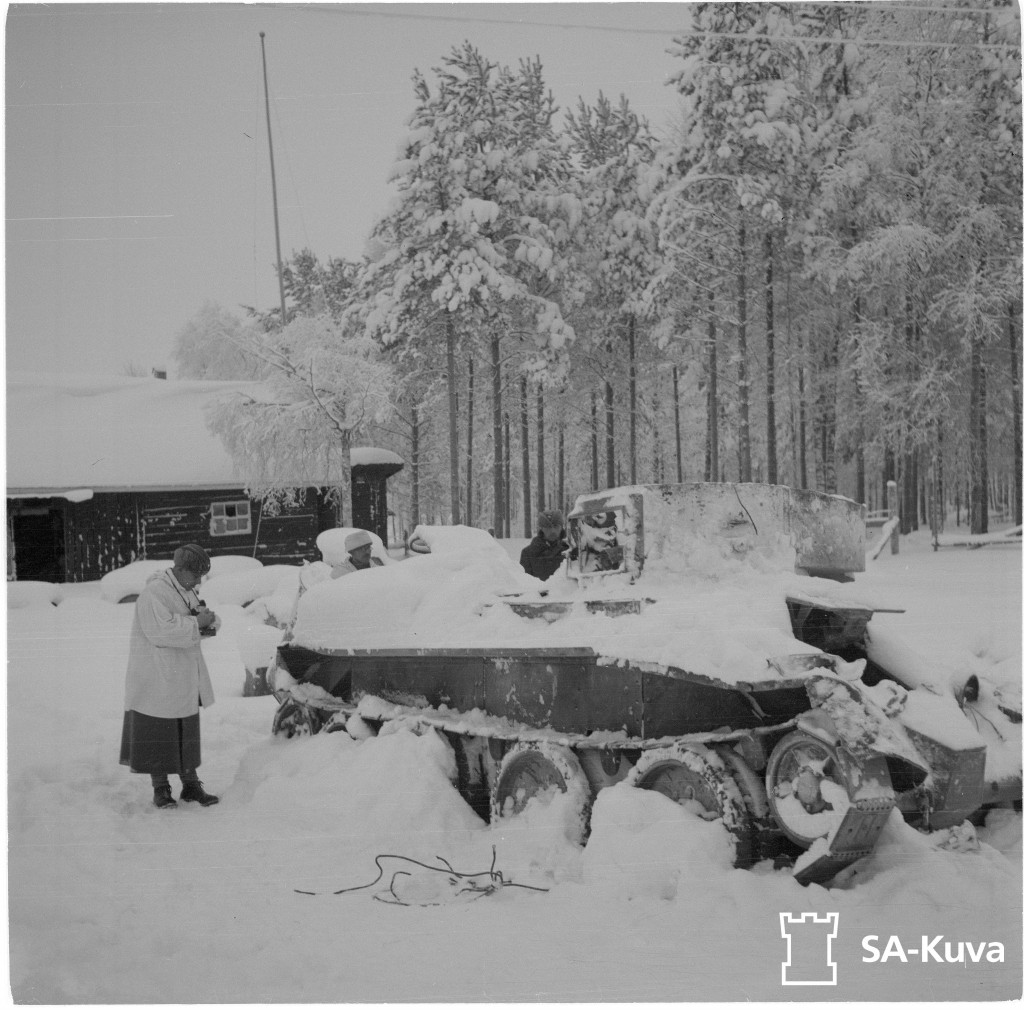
(35, 548)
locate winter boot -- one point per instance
(195, 791)
(162, 796)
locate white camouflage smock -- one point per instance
(167, 675)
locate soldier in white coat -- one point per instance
(167, 680)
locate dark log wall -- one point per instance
(290, 537)
(101, 535)
(173, 518)
(113, 529)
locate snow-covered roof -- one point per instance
(71, 435)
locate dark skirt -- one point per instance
(155, 744)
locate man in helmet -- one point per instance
(359, 546)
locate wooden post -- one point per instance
(273, 188)
(892, 504)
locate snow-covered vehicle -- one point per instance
(700, 640)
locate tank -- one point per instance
(700, 640)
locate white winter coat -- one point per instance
(167, 674)
(346, 568)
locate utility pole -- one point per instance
(273, 186)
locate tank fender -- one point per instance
(857, 769)
(896, 762)
(819, 724)
(862, 727)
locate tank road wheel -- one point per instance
(697, 778)
(808, 791)
(293, 719)
(531, 770)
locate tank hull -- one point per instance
(572, 690)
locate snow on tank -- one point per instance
(692, 576)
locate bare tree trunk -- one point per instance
(908, 496)
(743, 365)
(858, 397)
(922, 488)
(524, 441)
(825, 417)
(453, 420)
(769, 332)
(496, 413)
(632, 399)
(802, 426)
(507, 496)
(657, 463)
(594, 479)
(609, 435)
(909, 503)
(1015, 388)
(678, 432)
(711, 470)
(470, 408)
(978, 440)
(542, 497)
(414, 464)
(561, 465)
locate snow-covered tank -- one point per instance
(701, 640)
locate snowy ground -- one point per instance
(112, 901)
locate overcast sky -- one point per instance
(137, 174)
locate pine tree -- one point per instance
(618, 247)
(477, 228)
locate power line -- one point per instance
(92, 217)
(684, 33)
(933, 10)
(834, 41)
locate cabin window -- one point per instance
(227, 518)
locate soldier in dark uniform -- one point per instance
(543, 555)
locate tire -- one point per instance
(692, 773)
(798, 767)
(530, 770)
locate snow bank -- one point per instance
(105, 893)
(29, 593)
(644, 846)
(245, 585)
(131, 579)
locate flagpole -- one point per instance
(273, 186)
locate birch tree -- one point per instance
(322, 386)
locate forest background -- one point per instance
(812, 278)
